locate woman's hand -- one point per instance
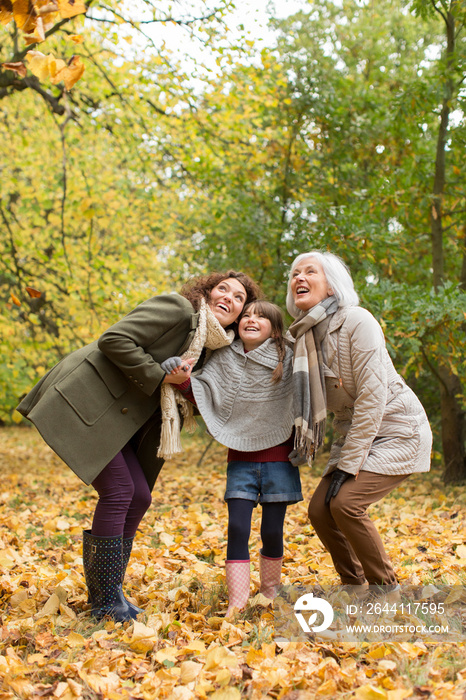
(178, 371)
(338, 478)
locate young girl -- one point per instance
(244, 395)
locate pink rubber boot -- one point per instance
(238, 579)
(270, 573)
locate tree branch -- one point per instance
(180, 22)
(438, 10)
(62, 128)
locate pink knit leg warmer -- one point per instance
(238, 579)
(270, 573)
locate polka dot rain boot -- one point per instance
(102, 562)
(127, 547)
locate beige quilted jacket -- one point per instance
(381, 423)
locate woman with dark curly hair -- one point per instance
(110, 412)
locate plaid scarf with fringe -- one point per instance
(209, 334)
(308, 378)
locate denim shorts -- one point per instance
(263, 482)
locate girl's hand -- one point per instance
(170, 364)
(180, 372)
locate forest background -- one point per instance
(130, 163)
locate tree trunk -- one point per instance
(453, 424)
(453, 427)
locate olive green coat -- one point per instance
(107, 394)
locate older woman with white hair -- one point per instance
(341, 365)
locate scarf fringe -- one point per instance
(170, 438)
(308, 440)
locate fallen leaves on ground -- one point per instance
(182, 646)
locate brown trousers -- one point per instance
(348, 533)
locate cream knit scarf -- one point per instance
(209, 334)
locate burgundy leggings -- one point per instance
(124, 496)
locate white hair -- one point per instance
(337, 275)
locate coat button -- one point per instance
(124, 410)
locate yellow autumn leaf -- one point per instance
(45, 7)
(21, 12)
(379, 652)
(71, 8)
(255, 658)
(62, 524)
(36, 34)
(327, 689)
(55, 66)
(143, 637)
(100, 683)
(219, 657)
(62, 690)
(167, 654)
(398, 694)
(50, 525)
(387, 665)
(196, 646)
(9, 558)
(75, 687)
(74, 639)
(51, 606)
(20, 686)
(38, 64)
(226, 694)
(70, 73)
(39, 659)
(370, 692)
(67, 614)
(28, 606)
(6, 15)
(18, 597)
(261, 600)
(189, 671)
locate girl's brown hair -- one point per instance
(200, 287)
(275, 315)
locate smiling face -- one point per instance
(254, 328)
(226, 301)
(308, 284)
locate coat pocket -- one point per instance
(92, 387)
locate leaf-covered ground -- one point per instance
(182, 647)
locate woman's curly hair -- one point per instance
(200, 287)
